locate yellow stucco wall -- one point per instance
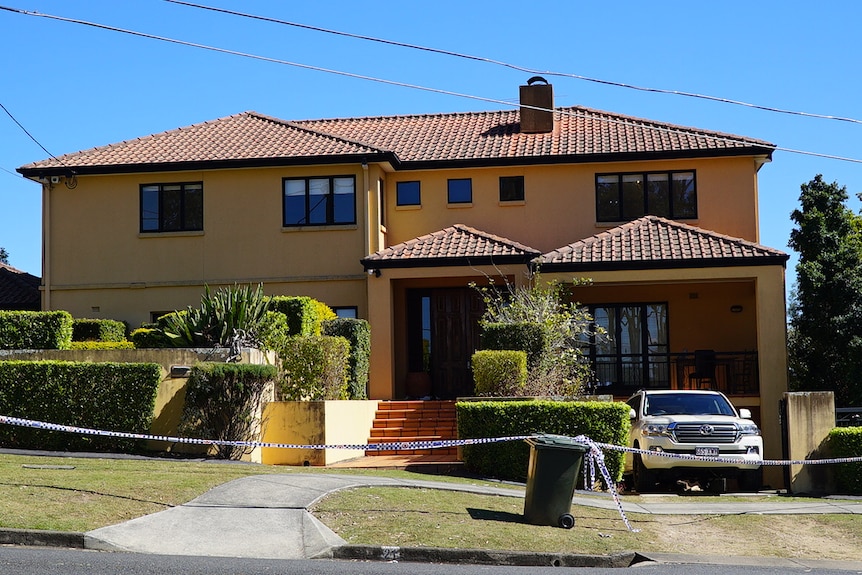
(101, 266)
(314, 423)
(559, 206)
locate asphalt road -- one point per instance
(49, 561)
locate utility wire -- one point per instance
(396, 83)
(31, 136)
(515, 66)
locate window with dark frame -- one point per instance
(408, 194)
(460, 191)
(626, 197)
(172, 207)
(346, 311)
(319, 201)
(511, 188)
(636, 352)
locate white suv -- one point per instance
(699, 423)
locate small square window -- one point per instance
(408, 194)
(346, 312)
(460, 191)
(512, 188)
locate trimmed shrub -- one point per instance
(146, 337)
(603, 422)
(847, 442)
(35, 330)
(314, 368)
(523, 336)
(324, 313)
(223, 402)
(301, 312)
(98, 330)
(499, 373)
(108, 396)
(87, 345)
(358, 334)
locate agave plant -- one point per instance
(229, 317)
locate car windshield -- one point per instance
(687, 404)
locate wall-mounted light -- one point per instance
(374, 272)
(736, 309)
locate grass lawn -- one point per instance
(80, 494)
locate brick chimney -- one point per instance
(538, 95)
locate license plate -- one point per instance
(706, 451)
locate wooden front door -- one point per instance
(444, 332)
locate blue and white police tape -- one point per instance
(33, 424)
(732, 460)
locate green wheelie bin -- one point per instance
(555, 461)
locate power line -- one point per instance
(531, 71)
(31, 136)
(391, 82)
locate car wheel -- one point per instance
(750, 479)
(644, 479)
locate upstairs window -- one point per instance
(460, 191)
(626, 197)
(512, 188)
(408, 194)
(172, 207)
(319, 201)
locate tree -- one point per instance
(825, 336)
(562, 366)
(4, 256)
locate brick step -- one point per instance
(414, 414)
(402, 422)
(442, 432)
(440, 451)
(416, 405)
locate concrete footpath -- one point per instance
(266, 517)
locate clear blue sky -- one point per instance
(74, 87)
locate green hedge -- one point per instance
(303, 315)
(358, 333)
(847, 442)
(223, 401)
(88, 345)
(499, 373)
(528, 337)
(148, 337)
(98, 330)
(35, 330)
(108, 396)
(603, 422)
(314, 368)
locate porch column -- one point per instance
(381, 319)
(772, 355)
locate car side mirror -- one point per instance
(745, 413)
(632, 413)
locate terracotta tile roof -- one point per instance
(19, 290)
(478, 138)
(654, 242)
(243, 137)
(456, 245)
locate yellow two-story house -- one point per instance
(390, 219)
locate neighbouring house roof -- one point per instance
(407, 142)
(19, 290)
(652, 242)
(458, 245)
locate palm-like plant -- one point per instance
(229, 317)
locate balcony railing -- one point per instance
(731, 372)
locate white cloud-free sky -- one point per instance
(74, 86)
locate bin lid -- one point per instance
(556, 441)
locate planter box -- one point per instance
(314, 423)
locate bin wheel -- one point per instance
(566, 521)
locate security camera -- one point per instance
(55, 179)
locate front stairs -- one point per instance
(413, 421)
